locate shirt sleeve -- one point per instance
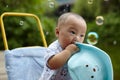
(52, 50)
(48, 56)
(47, 72)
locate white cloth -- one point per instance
(25, 63)
(59, 74)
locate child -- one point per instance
(70, 28)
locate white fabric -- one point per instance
(25, 63)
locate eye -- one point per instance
(81, 35)
(72, 32)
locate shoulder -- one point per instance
(55, 46)
(53, 49)
(55, 43)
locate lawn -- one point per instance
(113, 52)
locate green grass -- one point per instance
(113, 51)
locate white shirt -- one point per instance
(59, 74)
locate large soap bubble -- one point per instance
(92, 38)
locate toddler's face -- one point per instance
(73, 30)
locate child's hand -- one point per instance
(72, 48)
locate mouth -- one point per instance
(73, 42)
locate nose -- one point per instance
(76, 39)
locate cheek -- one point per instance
(81, 40)
(67, 38)
(63, 36)
(65, 41)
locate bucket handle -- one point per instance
(20, 14)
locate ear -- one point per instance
(57, 31)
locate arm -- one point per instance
(61, 58)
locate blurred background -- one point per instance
(102, 17)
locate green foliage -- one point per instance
(49, 29)
(31, 6)
(87, 9)
(109, 31)
(113, 51)
(23, 31)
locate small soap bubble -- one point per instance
(6, 6)
(21, 23)
(114, 42)
(51, 4)
(90, 1)
(106, 0)
(47, 33)
(99, 20)
(92, 38)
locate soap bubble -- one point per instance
(46, 33)
(6, 6)
(51, 4)
(21, 23)
(114, 42)
(99, 20)
(90, 1)
(92, 38)
(106, 0)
